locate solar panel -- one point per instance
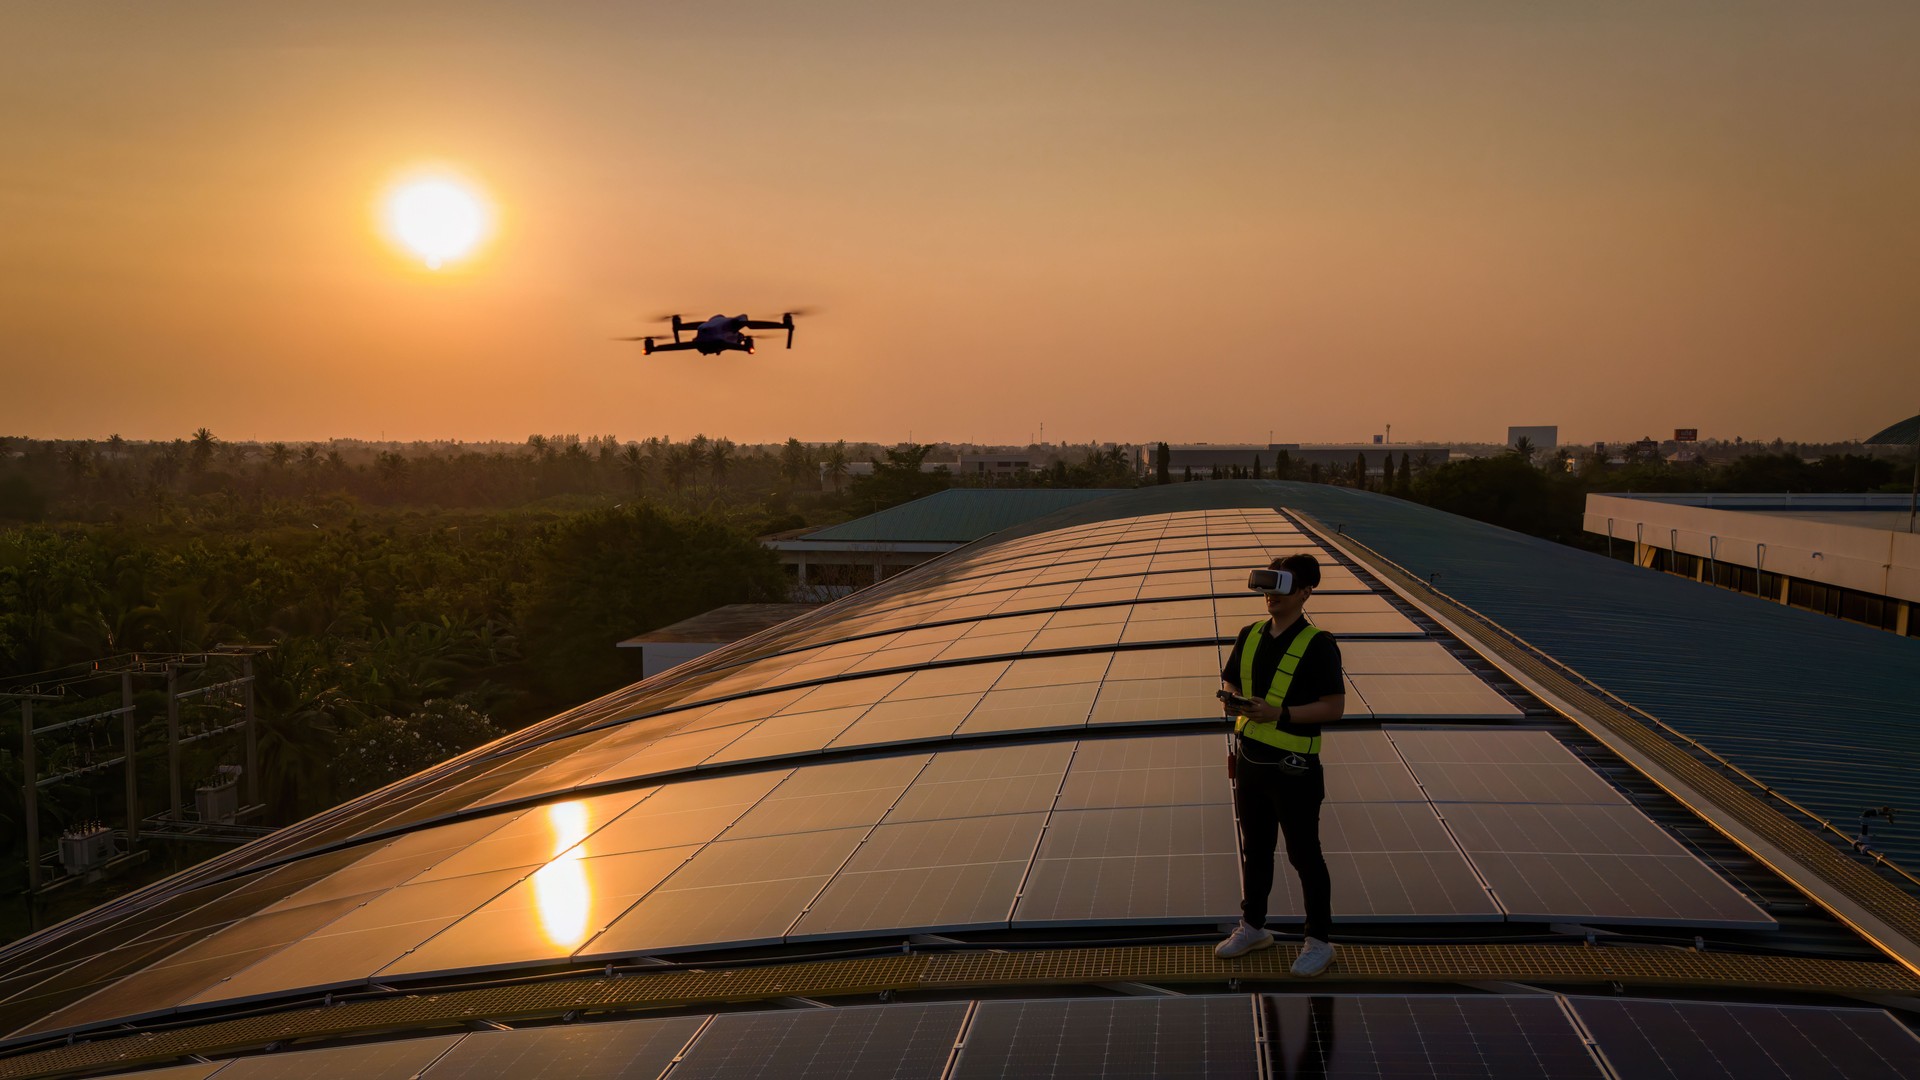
(1428, 880)
(682, 751)
(1192, 629)
(536, 835)
(374, 1061)
(987, 645)
(1371, 782)
(1518, 747)
(1032, 709)
(830, 796)
(1162, 862)
(1561, 829)
(1693, 1040)
(943, 874)
(901, 1041)
(1147, 700)
(1187, 660)
(548, 916)
(1367, 624)
(1378, 657)
(1168, 786)
(789, 735)
(940, 682)
(748, 896)
(1433, 697)
(1111, 1038)
(636, 1049)
(1451, 1037)
(1342, 745)
(203, 964)
(976, 798)
(1155, 751)
(909, 721)
(1054, 671)
(1076, 637)
(1499, 782)
(988, 763)
(1383, 827)
(687, 812)
(177, 1072)
(1660, 890)
(362, 941)
(1112, 615)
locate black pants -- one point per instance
(1268, 804)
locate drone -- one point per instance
(722, 333)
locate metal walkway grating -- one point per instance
(958, 972)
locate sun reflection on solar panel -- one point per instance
(560, 888)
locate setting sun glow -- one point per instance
(437, 219)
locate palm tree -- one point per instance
(794, 466)
(203, 444)
(635, 463)
(837, 464)
(1522, 448)
(678, 466)
(278, 455)
(719, 460)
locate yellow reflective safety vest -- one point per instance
(1275, 734)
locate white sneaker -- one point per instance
(1243, 940)
(1314, 958)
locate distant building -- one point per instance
(673, 645)
(1542, 437)
(1207, 459)
(1003, 464)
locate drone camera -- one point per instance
(1271, 582)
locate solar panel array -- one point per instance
(1077, 832)
(820, 784)
(1345, 1035)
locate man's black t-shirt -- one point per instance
(1317, 676)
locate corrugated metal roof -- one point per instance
(958, 515)
(1825, 711)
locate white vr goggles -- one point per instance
(1271, 582)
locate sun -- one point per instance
(438, 218)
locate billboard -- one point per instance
(1686, 434)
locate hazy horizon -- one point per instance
(1127, 221)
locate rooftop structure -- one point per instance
(974, 821)
(682, 641)
(1852, 556)
(1904, 433)
(904, 536)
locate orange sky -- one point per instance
(1129, 221)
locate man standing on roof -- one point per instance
(1282, 682)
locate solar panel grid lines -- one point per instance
(613, 1050)
(364, 940)
(1110, 1037)
(1895, 910)
(906, 1041)
(402, 1060)
(1697, 1040)
(1495, 1036)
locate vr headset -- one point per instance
(1271, 582)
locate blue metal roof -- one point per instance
(1825, 711)
(958, 515)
